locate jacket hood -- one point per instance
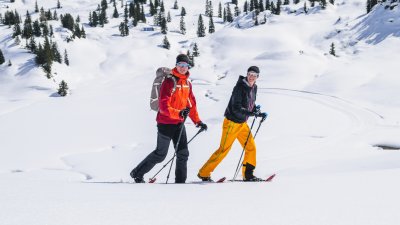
(243, 82)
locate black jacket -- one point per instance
(242, 101)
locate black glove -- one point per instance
(202, 125)
(262, 115)
(184, 112)
(255, 112)
(256, 109)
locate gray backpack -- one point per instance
(161, 74)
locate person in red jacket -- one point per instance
(175, 104)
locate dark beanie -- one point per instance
(253, 69)
(182, 58)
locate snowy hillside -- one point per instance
(332, 134)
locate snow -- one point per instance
(67, 160)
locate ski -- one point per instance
(221, 180)
(269, 179)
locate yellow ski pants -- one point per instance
(230, 132)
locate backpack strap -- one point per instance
(174, 80)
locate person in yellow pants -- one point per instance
(241, 106)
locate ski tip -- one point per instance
(152, 180)
(221, 180)
(269, 179)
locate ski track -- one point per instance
(361, 119)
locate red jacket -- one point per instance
(172, 103)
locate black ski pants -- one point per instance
(166, 133)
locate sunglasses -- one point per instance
(183, 64)
(253, 74)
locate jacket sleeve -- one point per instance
(193, 114)
(165, 99)
(237, 98)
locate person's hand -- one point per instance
(184, 112)
(256, 109)
(202, 126)
(262, 115)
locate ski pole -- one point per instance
(152, 180)
(258, 128)
(176, 147)
(244, 146)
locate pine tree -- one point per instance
(162, 8)
(115, 14)
(332, 2)
(200, 27)
(182, 25)
(103, 18)
(296, 1)
(237, 11)
(9, 63)
(36, 7)
(163, 25)
(332, 50)
(2, 59)
(142, 15)
(27, 32)
(371, 4)
(286, 2)
(196, 52)
(63, 88)
(219, 10)
(17, 30)
(211, 27)
(83, 33)
(104, 4)
(32, 45)
(305, 7)
(261, 6)
(51, 32)
(176, 5)
(45, 29)
(77, 31)
(210, 9)
(323, 4)
(67, 21)
(278, 7)
(95, 19)
(56, 53)
(36, 29)
(229, 17)
(246, 7)
(235, 2)
(124, 29)
(168, 17)
(153, 10)
(48, 58)
(224, 16)
(183, 11)
(267, 5)
(207, 9)
(166, 43)
(58, 4)
(66, 60)
(191, 58)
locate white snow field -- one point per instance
(331, 137)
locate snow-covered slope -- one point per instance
(61, 158)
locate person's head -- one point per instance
(252, 74)
(182, 63)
